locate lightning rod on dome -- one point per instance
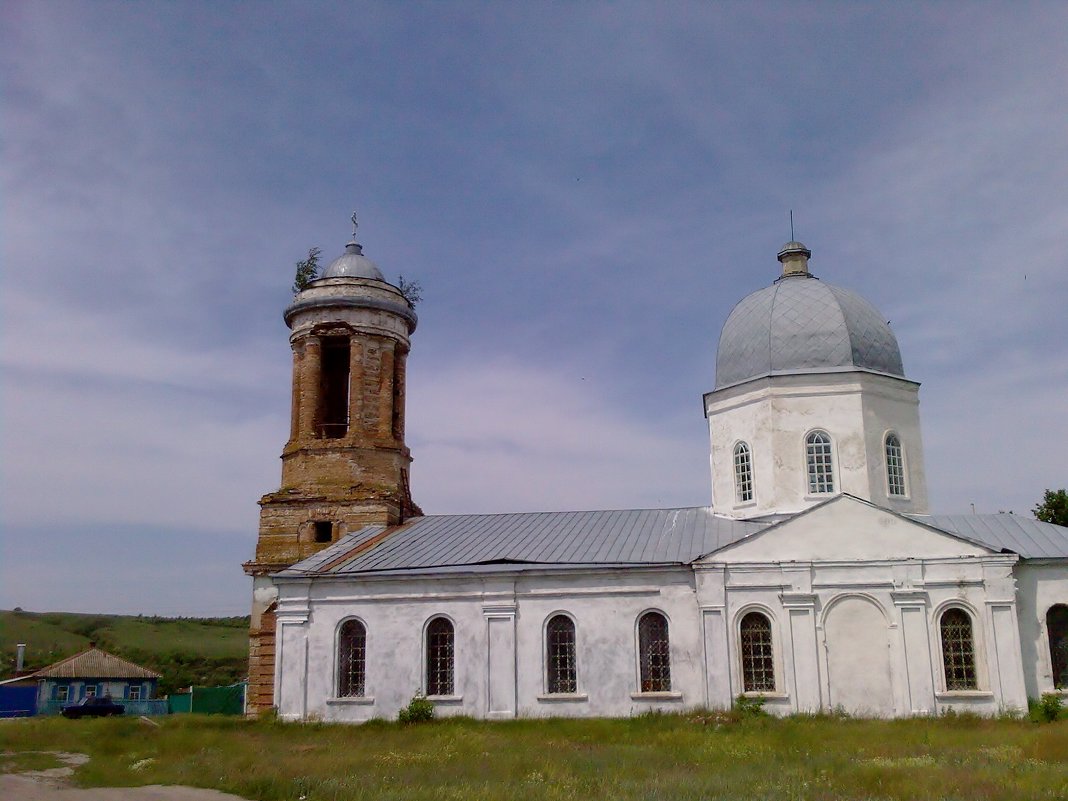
(792, 225)
(355, 225)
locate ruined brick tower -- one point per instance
(345, 464)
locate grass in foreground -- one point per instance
(698, 756)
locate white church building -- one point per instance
(817, 580)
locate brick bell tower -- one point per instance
(345, 464)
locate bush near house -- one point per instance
(186, 651)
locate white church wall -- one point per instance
(774, 415)
(499, 643)
(820, 661)
(837, 627)
(1041, 583)
(606, 608)
(893, 405)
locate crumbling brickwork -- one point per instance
(340, 471)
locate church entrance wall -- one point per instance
(860, 679)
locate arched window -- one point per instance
(895, 465)
(351, 659)
(439, 657)
(654, 653)
(743, 473)
(758, 660)
(1057, 630)
(958, 650)
(820, 465)
(560, 655)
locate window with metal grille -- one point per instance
(958, 650)
(560, 655)
(1057, 630)
(820, 464)
(654, 652)
(439, 657)
(895, 465)
(758, 659)
(352, 660)
(743, 473)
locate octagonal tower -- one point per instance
(811, 400)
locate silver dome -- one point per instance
(353, 264)
(800, 324)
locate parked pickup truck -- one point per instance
(95, 707)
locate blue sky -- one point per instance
(584, 190)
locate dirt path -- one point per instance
(52, 785)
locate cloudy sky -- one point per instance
(584, 190)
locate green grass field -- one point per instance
(185, 650)
(696, 756)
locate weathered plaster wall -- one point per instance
(908, 596)
(1042, 583)
(506, 613)
(774, 415)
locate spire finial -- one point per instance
(355, 225)
(791, 225)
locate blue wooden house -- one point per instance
(97, 673)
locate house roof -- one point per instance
(488, 543)
(94, 664)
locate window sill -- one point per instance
(963, 695)
(821, 496)
(767, 696)
(668, 696)
(356, 700)
(562, 698)
(745, 504)
(445, 699)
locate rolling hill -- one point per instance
(201, 651)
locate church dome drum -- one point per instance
(800, 324)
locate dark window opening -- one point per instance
(1057, 629)
(334, 388)
(397, 421)
(439, 657)
(560, 656)
(352, 660)
(758, 659)
(958, 650)
(324, 531)
(654, 653)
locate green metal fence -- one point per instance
(228, 700)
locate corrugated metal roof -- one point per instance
(534, 539)
(1030, 538)
(569, 540)
(94, 664)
